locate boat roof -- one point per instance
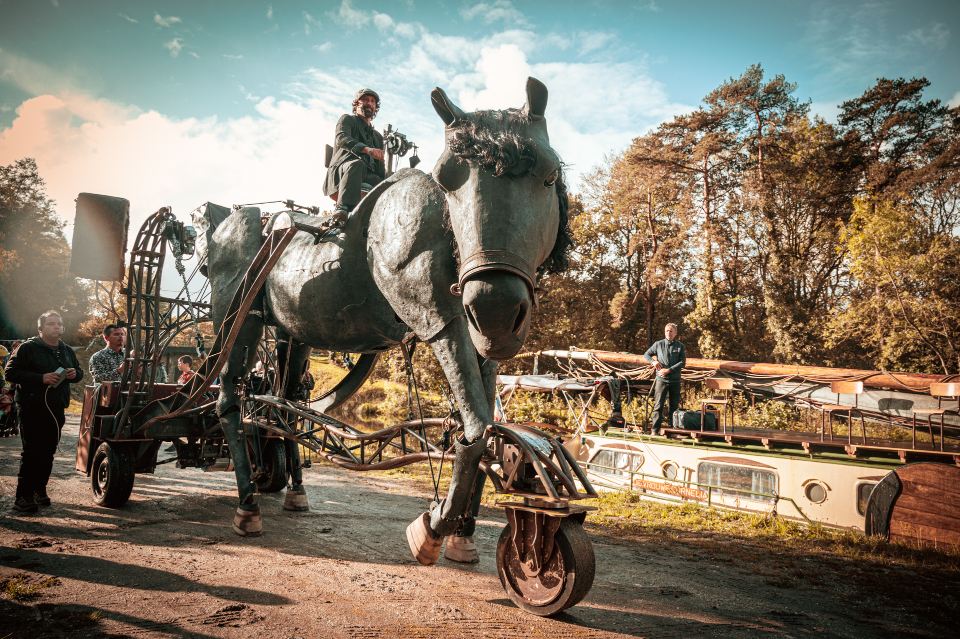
(543, 384)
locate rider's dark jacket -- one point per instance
(28, 365)
(672, 355)
(352, 135)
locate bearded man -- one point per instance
(357, 155)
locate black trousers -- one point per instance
(39, 434)
(662, 390)
(351, 175)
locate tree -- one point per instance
(909, 183)
(35, 257)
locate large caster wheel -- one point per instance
(568, 567)
(113, 475)
(274, 471)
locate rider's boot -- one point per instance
(340, 215)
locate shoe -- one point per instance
(42, 499)
(25, 505)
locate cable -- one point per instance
(56, 424)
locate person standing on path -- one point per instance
(42, 394)
(671, 359)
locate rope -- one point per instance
(423, 426)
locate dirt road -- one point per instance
(169, 565)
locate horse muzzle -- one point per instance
(498, 304)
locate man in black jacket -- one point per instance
(671, 359)
(357, 155)
(42, 394)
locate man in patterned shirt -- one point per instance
(107, 365)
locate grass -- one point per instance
(18, 588)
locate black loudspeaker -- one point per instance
(100, 237)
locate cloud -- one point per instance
(269, 12)
(309, 20)
(273, 29)
(165, 22)
(493, 12)
(954, 101)
(174, 46)
(935, 38)
(323, 48)
(34, 77)
(194, 54)
(348, 16)
(649, 6)
(55, 3)
(128, 18)
(85, 145)
(232, 57)
(590, 41)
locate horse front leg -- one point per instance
(460, 364)
(247, 521)
(296, 496)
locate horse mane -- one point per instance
(494, 138)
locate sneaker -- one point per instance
(42, 499)
(25, 505)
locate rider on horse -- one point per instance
(357, 156)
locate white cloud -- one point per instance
(954, 101)
(309, 20)
(174, 46)
(273, 29)
(193, 54)
(348, 16)
(165, 22)
(85, 145)
(269, 12)
(493, 12)
(232, 57)
(34, 77)
(936, 37)
(128, 18)
(590, 41)
(649, 6)
(323, 48)
(55, 3)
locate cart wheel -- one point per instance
(274, 460)
(565, 579)
(112, 476)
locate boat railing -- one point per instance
(688, 490)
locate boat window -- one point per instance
(863, 496)
(670, 470)
(739, 478)
(615, 462)
(815, 492)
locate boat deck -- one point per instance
(810, 443)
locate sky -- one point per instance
(175, 103)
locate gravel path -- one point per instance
(169, 565)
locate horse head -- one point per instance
(507, 207)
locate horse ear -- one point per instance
(446, 109)
(536, 98)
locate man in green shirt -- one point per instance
(357, 155)
(671, 359)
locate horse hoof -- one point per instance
(461, 549)
(296, 500)
(248, 523)
(424, 543)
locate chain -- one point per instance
(177, 255)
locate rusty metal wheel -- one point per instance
(558, 563)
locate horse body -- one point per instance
(495, 197)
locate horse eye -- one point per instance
(552, 178)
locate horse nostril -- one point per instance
(472, 318)
(521, 318)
